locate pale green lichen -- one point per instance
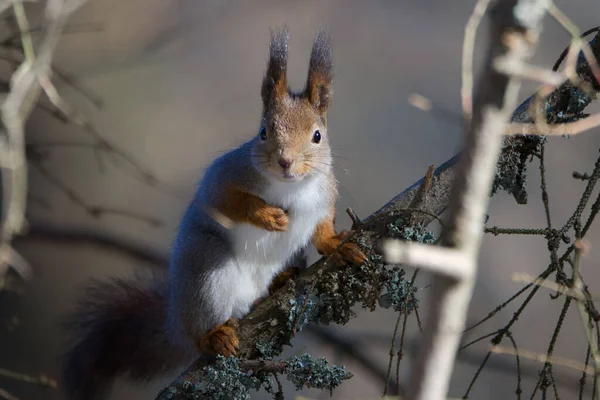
(301, 311)
(399, 291)
(566, 104)
(307, 371)
(224, 380)
(267, 350)
(369, 284)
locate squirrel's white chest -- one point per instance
(261, 254)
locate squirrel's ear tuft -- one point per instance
(275, 82)
(320, 73)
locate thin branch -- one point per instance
(104, 240)
(140, 172)
(16, 108)
(95, 211)
(570, 27)
(356, 222)
(355, 349)
(466, 89)
(423, 192)
(66, 77)
(514, 32)
(543, 358)
(423, 103)
(21, 18)
(584, 375)
(518, 360)
(585, 317)
(561, 289)
(568, 128)
(494, 230)
(41, 380)
(391, 353)
(442, 261)
(5, 395)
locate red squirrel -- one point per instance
(278, 193)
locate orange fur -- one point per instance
(241, 206)
(223, 340)
(327, 242)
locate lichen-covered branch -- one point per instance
(232, 378)
(566, 104)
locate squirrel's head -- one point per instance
(292, 140)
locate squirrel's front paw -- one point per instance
(273, 219)
(222, 340)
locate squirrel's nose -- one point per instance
(285, 162)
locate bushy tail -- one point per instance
(118, 329)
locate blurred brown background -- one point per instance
(181, 81)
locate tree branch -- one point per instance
(514, 31)
(25, 89)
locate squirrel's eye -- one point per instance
(316, 137)
(262, 133)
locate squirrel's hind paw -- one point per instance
(223, 340)
(349, 252)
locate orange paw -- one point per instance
(349, 253)
(272, 219)
(222, 340)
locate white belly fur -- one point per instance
(261, 254)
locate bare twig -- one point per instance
(95, 211)
(562, 289)
(5, 395)
(16, 108)
(452, 292)
(467, 56)
(543, 358)
(442, 261)
(568, 128)
(352, 347)
(423, 103)
(423, 189)
(41, 380)
(105, 241)
(355, 219)
(585, 315)
(391, 354)
(577, 41)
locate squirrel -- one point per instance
(256, 208)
